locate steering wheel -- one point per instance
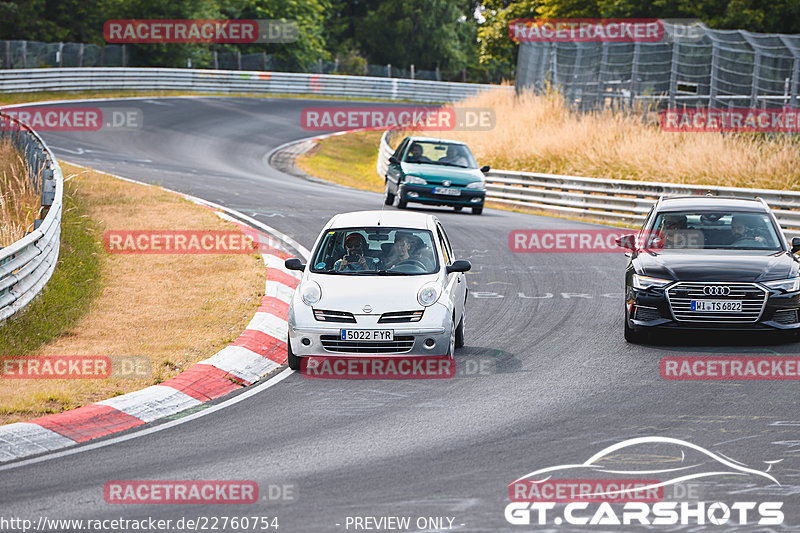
(411, 262)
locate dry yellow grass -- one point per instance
(538, 133)
(19, 200)
(173, 309)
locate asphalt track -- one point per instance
(558, 382)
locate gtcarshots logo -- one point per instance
(52, 118)
(419, 118)
(636, 495)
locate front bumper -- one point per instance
(650, 308)
(424, 194)
(428, 337)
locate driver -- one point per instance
(415, 155)
(455, 156)
(354, 259)
(403, 249)
(745, 228)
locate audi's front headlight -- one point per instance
(787, 285)
(648, 282)
(310, 292)
(428, 294)
(476, 185)
(415, 180)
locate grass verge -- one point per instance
(19, 199)
(173, 310)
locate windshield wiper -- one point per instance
(449, 164)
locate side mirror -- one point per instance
(795, 245)
(459, 266)
(485, 168)
(393, 160)
(294, 264)
(627, 241)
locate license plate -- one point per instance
(447, 191)
(725, 306)
(366, 334)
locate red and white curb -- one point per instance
(257, 352)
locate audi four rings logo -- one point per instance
(716, 290)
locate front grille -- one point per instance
(646, 313)
(398, 317)
(400, 344)
(324, 315)
(753, 299)
(786, 316)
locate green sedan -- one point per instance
(435, 172)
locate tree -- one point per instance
(427, 33)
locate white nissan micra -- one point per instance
(379, 283)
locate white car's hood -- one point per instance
(384, 294)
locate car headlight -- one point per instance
(647, 282)
(428, 294)
(476, 185)
(788, 285)
(310, 292)
(415, 180)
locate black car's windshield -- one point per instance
(376, 251)
(440, 153)
(735, 230)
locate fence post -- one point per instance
(634, 71)
(412, 71)
(60, 55)
(389, 70)
(756, 70)
(80, 54)
(24, 54)
(712, 90)
(216, 60)
(124, 57)
(673, 73)
(601, 78)
(239, 59)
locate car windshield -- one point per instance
(737, 230)
(376, 251)
(440, 153)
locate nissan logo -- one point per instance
(716, 290)
(367, 308)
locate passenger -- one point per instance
(354, 260)
(415, 155)
(672, 227)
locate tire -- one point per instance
(388, 198)
(402, 203)
(451, 350)
(292, 360)
(458, 208)
(460, 332)
(632, 336)
(477, 210)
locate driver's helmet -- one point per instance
(355, 242)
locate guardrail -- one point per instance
(236, 81)
(26, 265)
(609, 200)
